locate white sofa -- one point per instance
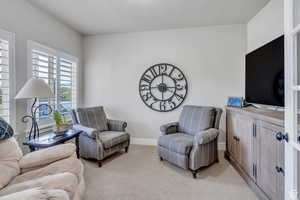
(52, 173)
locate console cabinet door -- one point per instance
(280, 163)
(232, 136)
(246, 141)
(270, 157)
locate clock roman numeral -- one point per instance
(162, 106)
(172, 104)
(147, 96)
(163, 69)
(171, 72)
(147, 78)
(153, 72)
(178, 97)
(144, 87)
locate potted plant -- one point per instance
(61, 123)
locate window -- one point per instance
(59, 71)
(6, 76)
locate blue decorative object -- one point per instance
(6, 131)
(235, 102)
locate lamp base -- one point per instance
(34, 130)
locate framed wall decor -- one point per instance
(235, 102)
(163, 87)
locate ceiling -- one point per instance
(92, 17)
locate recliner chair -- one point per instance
(191, 143)
(101, 137)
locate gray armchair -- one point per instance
(191, 143)
(101, 137)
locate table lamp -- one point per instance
(35, 88)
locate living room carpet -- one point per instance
(140, 175)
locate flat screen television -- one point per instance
(265, 74)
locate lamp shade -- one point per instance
(35, 88)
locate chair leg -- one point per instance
(161, 159)
(126, 149)
(217, 160)
(99, 163)
(194, 172)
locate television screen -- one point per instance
(265, 74)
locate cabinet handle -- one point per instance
(279, 170)
(280, 136)
(254, 130)
(236, 138)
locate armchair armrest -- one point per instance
(46, 156)
(37, 194)
(90, 132)
(169, 128)
(206, 136)
(116, 125)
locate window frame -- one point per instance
(10, 37)
(32, 45)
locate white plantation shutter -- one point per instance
(4, 79)
(44, 67)
(66, 85)
(59, 71)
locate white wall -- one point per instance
(30, 23)
(266, 26)
(212, 58)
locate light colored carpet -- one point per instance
(140, 175)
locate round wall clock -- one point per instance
(163, 87)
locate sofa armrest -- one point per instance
(47, 156)
(37, 194)
(206, 136)
(116, 125)
(90, 132)
(169, 128)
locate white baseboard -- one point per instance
(153, 142)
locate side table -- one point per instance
(52, 139)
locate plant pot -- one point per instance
(60, 129)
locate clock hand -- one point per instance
(170, 90)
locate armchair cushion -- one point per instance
(90, 132)
(47, 156)
(178, 142)
(112, 138)
(206, 136)
(116, 125)
(169, 128)
(194, 119)
(93, 117)
(37, 194)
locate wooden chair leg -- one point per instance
(99, 163)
